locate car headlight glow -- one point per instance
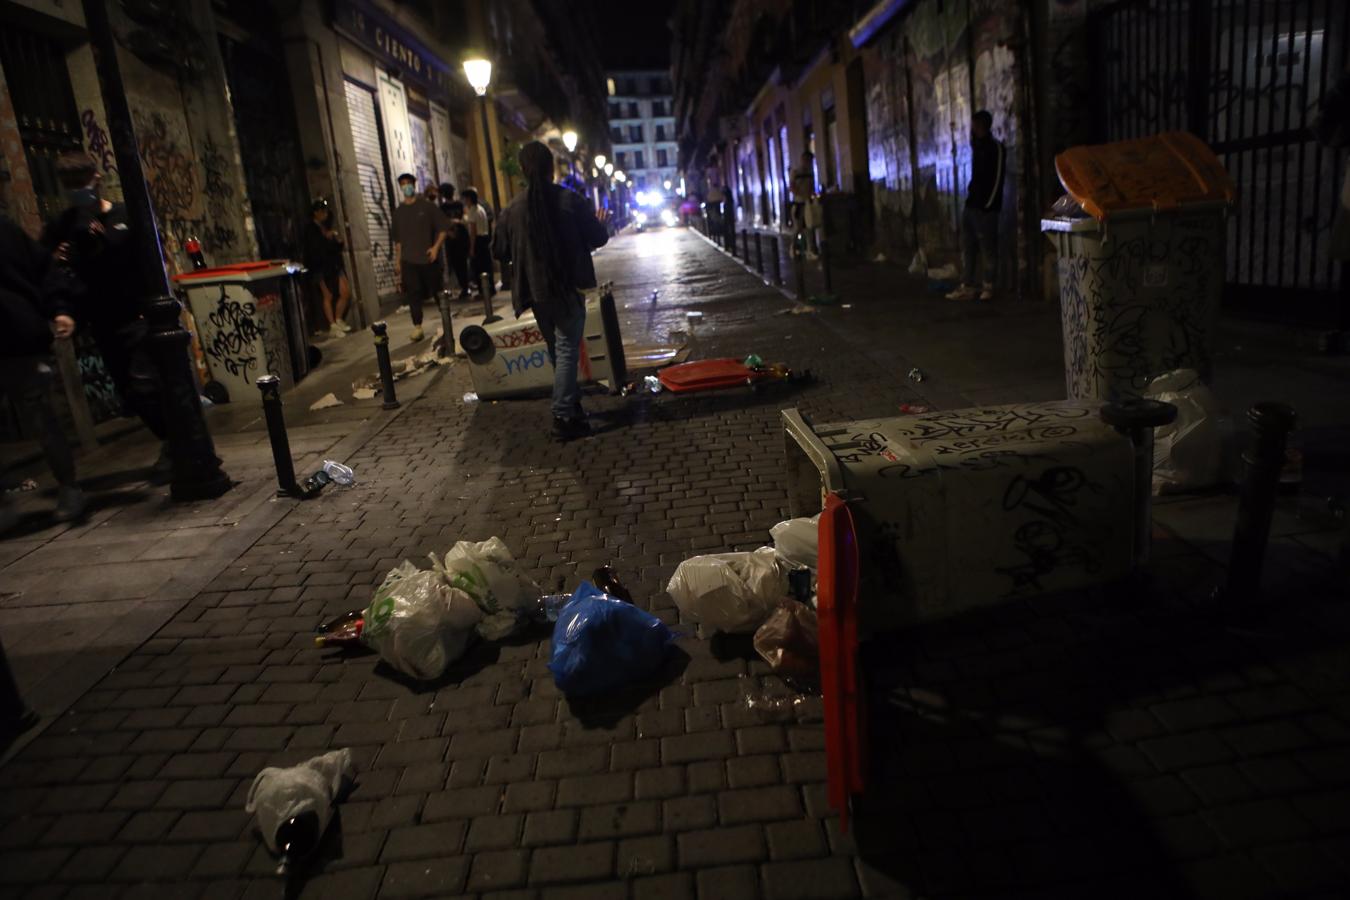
(667, 217)
(641, 218)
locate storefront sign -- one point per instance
(391, 43)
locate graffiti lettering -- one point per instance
(1057, 535)
(522, 338)
(97, 143)
(235, 333)
(536, 360)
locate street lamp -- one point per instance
(600, 160)
(667, 184)
(620, 177)
(479, 74)
(570, 141)
(609, 168)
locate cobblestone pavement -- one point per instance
(1100, 744)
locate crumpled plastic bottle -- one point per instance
(652, 383)
(340, 474)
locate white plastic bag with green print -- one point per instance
(488, 573)
(418, 623)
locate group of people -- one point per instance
(80, 276)
(435, 233)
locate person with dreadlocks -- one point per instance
(549, 233)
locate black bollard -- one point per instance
(1136, 418)
(777, 264)
(799, 264)
(485, 289)
(381, 332)
(447, 347)
(197, 474)
(825, 266)
(270, 387)
(759, 253)
(745, 245)
(1272, 423)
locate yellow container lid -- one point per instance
(1158, 173)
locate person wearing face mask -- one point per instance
(93, 240)
(418, 232)
(323, 258)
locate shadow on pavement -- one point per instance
(606, 710)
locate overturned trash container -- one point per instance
(1141, 240)
(925, 517)
(509, 358)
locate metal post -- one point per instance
(745, 245)
(825, 266)
(799, 265)
(1137, 418)
(485, 289)
(270, 387)
(197, 474)
(447, 347)
(1272, 423)
(777, 263)
(759, 253)
(491, 166)
(381, 331)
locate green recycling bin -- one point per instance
(1140, 237)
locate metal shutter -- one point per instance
(370, 172)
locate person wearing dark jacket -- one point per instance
(984, 201)
(548, 234)
(323, 258)
(34, 307)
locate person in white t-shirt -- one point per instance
(480, 239)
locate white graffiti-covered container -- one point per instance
(972, 507)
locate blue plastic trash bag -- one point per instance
(601, 643)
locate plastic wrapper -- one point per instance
(795, 541)
(418, 623)
(788, 641)
(292, 806)
(601, 643)
(489, 574)
(1188, 453)
(732, 592)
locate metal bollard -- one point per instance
(777, 263)
(381, 331)
(759, 253)
(447, 347)
(270, 387)
(799, 263)
(1136, 418)
(485, 290)
(1272, 423)
(745, 245)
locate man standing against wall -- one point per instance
(984, 202)
(418, 232)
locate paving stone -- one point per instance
(672, 886)
(498, 869)
(795, 840)
(1257, 821)
(592, 789)
(550, 827)
(577, 862)
(425, 878)
(691, 747)
(151, 863)
(620, 820)
(419, 841)
(493, 832)
(758, 804)
(1218, 784)
(529, 796)
(685, 813)
(727, 883)
(720, 846)
(652, 784)
(753, 771)
(645, 856)
(809, 880)
(1185, 751)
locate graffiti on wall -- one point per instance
(171, 177)
(235, 334)
(96, 142)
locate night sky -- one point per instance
(635, 35)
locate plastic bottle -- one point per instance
(340, 474)
(194, 252)
(293, 806)
(652, 383)
(297, 838)
(608, 581)
(344, 631)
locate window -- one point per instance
(661, 158)
(635, 134)
(655, 84)
(637, 160)
(661, 134)
(620, 160)
(658, 107)
(616, 110)
(616, 134)
(634, 111)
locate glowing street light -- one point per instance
(620, 177)
(570, 140)
(667, 184)
(600, 160)
(609, 168)
(479, 73)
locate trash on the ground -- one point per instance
(629, 388)
(795, 540)
(548, 606)
(488, 573)
(788, 640)
(418, 623)
(780, 707)
(801, 586)
(915, 409)
(944, 273)
(846, 306)
(327, 401)
(401, 309)
(363, 393)
(340, 474)
(316, 482)
(754, 361)
(919, 264)
(344, 631)
(607, 580)
(800, 309)
(655, 356)
(652, 383)
(916, 374)
(501, 624)
(601, 643)
(471, 397)
(693, 316)
(732, 592)
(292, 806)
(1188, 453)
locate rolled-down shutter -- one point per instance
(370, 171)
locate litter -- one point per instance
(916, 374)
(732, 592)
(781, 704)
(846, 306)
(652, 384)
(418, 623)
(601, 643)
(795, 540)
(471, 397)
(344, 631)
(327, 401)
(363, 393)
(915, 409)
(28, 484)
(1188, 453)
(788, 640)
(754, 361)
(800, 309)
(487, 572)
(607, 580)
(292, 807)
(340, 474)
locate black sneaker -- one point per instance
(570, 429)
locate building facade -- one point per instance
(642, 127)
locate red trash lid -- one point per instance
(234, 269)
(840, 681)
(704, 375)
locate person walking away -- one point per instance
(324, 259)
(457, 243)
(547, 234)
(35, 305)
(480, 239)
(418, 232)
(803, 190)
(984, 202)
(94, 239)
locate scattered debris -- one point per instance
(915, 409)
(28, 484)
(363, 393)
(879, 258)
(916, 375)
(799, 309)
(788, 640)
(846, 306)
(601, 643)
(471, 397)
(292, 807)
(795, 541)
(327, 401)
(731, 592)
(340, 474)
(418, 623)
(652, 383)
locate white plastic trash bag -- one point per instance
(311, 788)
(489, 574)
(795, 541)
(732, 592)
(1188, 453)
(418, 623)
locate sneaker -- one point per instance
(964, 292)
(335, 330)
(342, 323)
(570, 429)
(417, 333)
(987, 291)
(70, 503)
